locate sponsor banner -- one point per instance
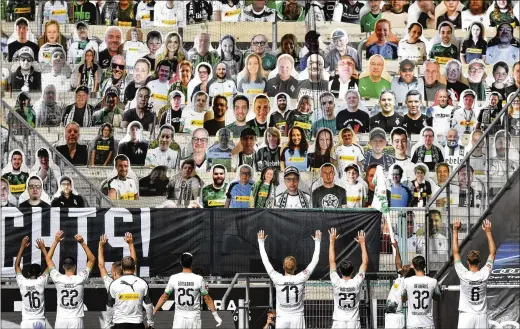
(223, 241)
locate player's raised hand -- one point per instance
(40, 244)
(59, 236)
(486, 226)
(261, 235)
(360, 237)
(25, 242)
(317, 236)
(129, 238)
(457, 225)
(217, 318)
(79, 238)
(103, 239)
(333, 236)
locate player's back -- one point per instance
(346, 296)
(69, 291)
(33, 299)
(290, 292)
(126, 296)
(394, 302)
(420, 291)
(187, 289)
(473, 288)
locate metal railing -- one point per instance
(22, 134)
(468, 192)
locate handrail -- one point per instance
(97, 191)
(234, 281)
(468, 154)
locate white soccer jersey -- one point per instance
(133, 51)
(159, 97)
(416, 52)
(420, 290)
(473, 288)
(187, 289)
(355, 195)
(346, 297)
(107, 280)
(394, 301)
(125, 189)
(192, 120)
(164, 16)
(226, 88)
(464, 121)
(143, 15)
(346, 155)
(156, 157)
(56, 11)
(33, 299)
(228, 13)
(127, 296)
(441, 119)
(69, 293)
(290, 289)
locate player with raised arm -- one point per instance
(116, 271)
(346, 289)
(290, 288)
(394, 317)
(69, 287)
(127, 297)
(32, 291)
(187, 288)
(419, 292)
(473, 283)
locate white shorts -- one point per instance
(346, 324)
(470, 320)
(69, 323)
(33, 324)
(290, 321)
(180, 322)
(394, 321)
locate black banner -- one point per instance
(223, 241)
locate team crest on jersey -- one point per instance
(396, 285)
(397, 121)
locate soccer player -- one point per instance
(32, 290)
(127, 296)
(346, 289)
(394, 317)
(69, 287)
(290, 288)
(116, 271)
(187, 287)
(473, 283)
(421, 289)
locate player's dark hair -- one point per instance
(407, 271)
(434, 212)
(219, 96)
(16, 153)
(69, 263)
(153, 35)
(419, 263)
(189, 162)
(241, 98)
(128, 264)
(186, 260)
(117, 267)
(120, 157)
(413, 92)
(398, 167)
(474, 257)
(34, 271)
(346, 268)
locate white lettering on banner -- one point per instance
(505, 324)
(231, 306)
(17, 215)
(49, 239)
(113, 240)
(145, 239)
(82, 214)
